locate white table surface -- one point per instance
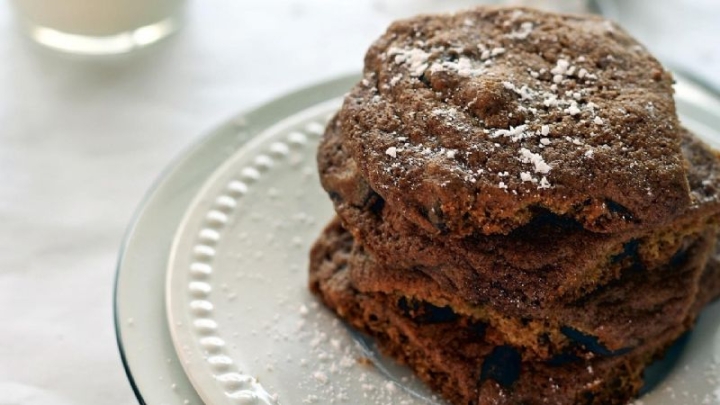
(81, 140)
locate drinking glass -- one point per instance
(98, 26)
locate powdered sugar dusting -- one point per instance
(395, 79)
(336, 371)
(573, 109)
(524, 92)
(497, 51)
(414, 58)
(526, 176)
(523, 32)
(464, 67)
(515, 134)
(538, 162)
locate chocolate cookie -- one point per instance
(612, 319)
(478, 122)
(551, 259)
(463, 358)
(621, 315)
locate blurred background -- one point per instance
(83, 138)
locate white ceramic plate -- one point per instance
(237, 306)
(147, 352)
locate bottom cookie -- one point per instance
(454, 356)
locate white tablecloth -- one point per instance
(81, 140)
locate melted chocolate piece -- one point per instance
(502, 366)
(591, 343)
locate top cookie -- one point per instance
(470, 122)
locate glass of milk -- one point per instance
(98, 27)
(564, 6)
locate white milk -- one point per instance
(113, 25)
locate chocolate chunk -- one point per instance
(591, 343)
(502, 365)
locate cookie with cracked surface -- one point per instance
(470, 122)
(549, 260)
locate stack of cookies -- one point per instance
(521, 218)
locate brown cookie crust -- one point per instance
(468, 122)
